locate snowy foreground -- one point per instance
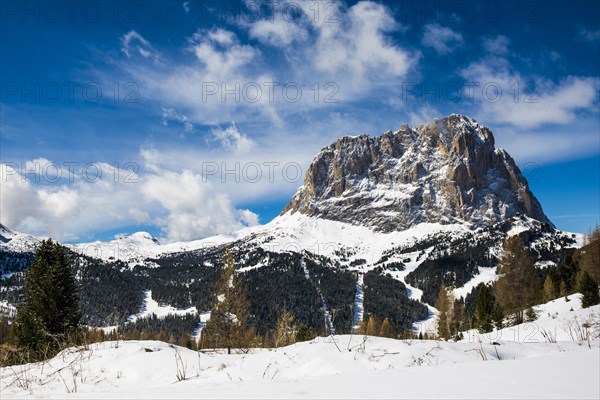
(344, 367)
(381, 368)
(546, 358)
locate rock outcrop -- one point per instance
(445, 171)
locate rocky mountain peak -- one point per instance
(444, 171)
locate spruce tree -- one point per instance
(519, 285)
(443, 305)
(589, 289)
(284, 329)
(303, 333)
(229, 325)
(589, 255)
(50, 312)
(484, 310)
(498, 316)
(459, 319)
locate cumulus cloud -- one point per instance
(277, 31)
(358, 44)
(102, 197)
(325, 63)
(231, 138)
(442, 39)
(192, 208)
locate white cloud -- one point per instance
(231, 138)
(422, 115)
(503, 95)
(550, 144)
(132, 43)
(193, 209)
(186, 7)
(497, 45)
(218, 86)
(590, 35)
(357, 44)
(218, 35)
(443, 39)
(346, 61)
(183, 204)
(277, 31)
(170, 114)
(221, 53)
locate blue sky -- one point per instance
(192, 118)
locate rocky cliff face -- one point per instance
(445, 171)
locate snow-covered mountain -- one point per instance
(17, 241)
(446, 171)
(421, 206)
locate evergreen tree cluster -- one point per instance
(50, 314)
(338, 288)
(451, 314)
(385, 299)
(170, 328)
(280, 286)
(230, 325)
(488, 313)
(12, 262)
(451, 270)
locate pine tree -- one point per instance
(362, 328)
(303, 333)
(518, 286)
(284, 329)
(550, 290)
(186, 340)
(229, 325)
(386, 329)
(459, 319)
(589, 255)
(498, 316)
(373, 326)
(567, 275)
(484, 309)
(50, 312)
(443, 305)
(589, 289)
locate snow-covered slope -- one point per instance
(151, 307)
(522, 361)
(16, 241)
(341, 367)
(558, 320)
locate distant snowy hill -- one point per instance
(17, 241)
